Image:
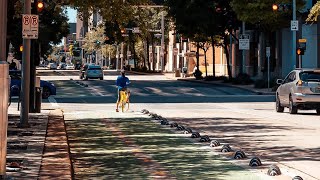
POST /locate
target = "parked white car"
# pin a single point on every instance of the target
(299, 90)
(70, 67)
(52, 66)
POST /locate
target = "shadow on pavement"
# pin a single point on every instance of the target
(140, 149)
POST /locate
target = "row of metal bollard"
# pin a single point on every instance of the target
(273, 169)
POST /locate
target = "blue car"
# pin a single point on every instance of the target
(48, 88)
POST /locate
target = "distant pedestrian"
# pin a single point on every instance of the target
(13, 66)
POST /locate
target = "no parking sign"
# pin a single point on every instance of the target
(30, 26)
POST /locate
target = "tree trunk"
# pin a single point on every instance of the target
(225, 47)
(148, 58)
(153, 53)
(135, 62)
(213, 58)
(205, 62)
(145, 55)
(197, 56)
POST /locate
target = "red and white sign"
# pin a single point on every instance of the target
(30, 26)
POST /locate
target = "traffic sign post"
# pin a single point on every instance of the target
(136, 30)
(244, 42)
(268, 53)
(30, 26)
(294, 25)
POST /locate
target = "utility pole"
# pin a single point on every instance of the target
(162, 42)
(294, 33)
(117, 61)
(33, 57)
(243, 51)
(25, 91)
(121, 55)
(4, 85)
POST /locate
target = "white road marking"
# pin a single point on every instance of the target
(53, 102)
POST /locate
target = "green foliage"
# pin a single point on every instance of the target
(260, 13)
(92, 38)
(53, 25)
(314, 12)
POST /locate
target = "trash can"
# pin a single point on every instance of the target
(177, 73)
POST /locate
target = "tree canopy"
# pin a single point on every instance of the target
(53, 25)
(261, 15)
(314, 12)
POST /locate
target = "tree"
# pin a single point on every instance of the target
(94, 39)
(53, 25)
(314, 12)
(191, 26)
(207, 19)
(260, 13)
(205, 47)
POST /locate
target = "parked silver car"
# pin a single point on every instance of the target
(299, 90)
(93, 72)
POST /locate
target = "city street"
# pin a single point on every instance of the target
(218, 89)
(234, 116)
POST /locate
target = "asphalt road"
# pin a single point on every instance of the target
(146, 89)
(241, 118)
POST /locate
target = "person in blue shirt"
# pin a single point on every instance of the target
(122, 83)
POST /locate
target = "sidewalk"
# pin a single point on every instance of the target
(39, 151)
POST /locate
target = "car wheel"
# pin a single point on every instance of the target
(45, 92)
(101, 78)
(318, 111)
(81, 77)
(279, 108)
(86, 78)
(292, 108)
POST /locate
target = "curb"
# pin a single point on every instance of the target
(229, 85)
(143, 73)
(58, 164)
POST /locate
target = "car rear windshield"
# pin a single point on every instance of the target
(94, 68)
(310, 76)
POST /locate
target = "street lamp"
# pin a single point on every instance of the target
(275, 7)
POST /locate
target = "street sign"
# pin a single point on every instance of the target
(244, 41)
(268, 51)
(294, 25)
(136, 30)
(30, 26)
